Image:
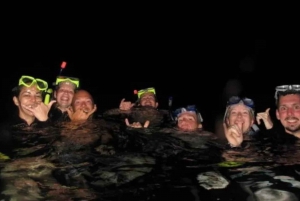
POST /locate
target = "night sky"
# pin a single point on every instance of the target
(180, 60)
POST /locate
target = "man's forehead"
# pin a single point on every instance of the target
(239, 106)
(148, 94)
(82, 98)
(82, 94)
(67, 84)
(32, 88)
(187, 114)
(290, 97)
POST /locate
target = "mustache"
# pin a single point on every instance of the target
(291, 118)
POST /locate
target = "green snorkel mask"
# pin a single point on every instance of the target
(28, 81)
(73, 80)
(143, 91)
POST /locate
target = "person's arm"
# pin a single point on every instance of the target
(266, 118)
(44, 124)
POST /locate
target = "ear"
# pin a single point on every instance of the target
(156, 104)
(200, 125)
(252, 121)
(227, 121)
(16, 101)
(54, 94)
(277, 115)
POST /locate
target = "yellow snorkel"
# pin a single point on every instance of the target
(48, 96)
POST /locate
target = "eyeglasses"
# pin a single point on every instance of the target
(283, 88)
(189, 108)
(148, 90)
(28, 81)
(236, 100)
(73, 80)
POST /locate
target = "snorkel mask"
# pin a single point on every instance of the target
(286, 88)
(189, 108)
(28, 81)
(143, 91)
(73, 80)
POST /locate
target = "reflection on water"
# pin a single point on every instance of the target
(104, 161)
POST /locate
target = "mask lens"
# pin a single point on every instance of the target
(296, 87)
(234, 100)
(42, 85)
(142, 91)
(26, 81)
(191, 108)
(72, 80)
(284, 88)
(248, 102)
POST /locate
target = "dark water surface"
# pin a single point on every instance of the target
(104, 161)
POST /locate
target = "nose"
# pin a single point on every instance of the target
(33, 98)
(239, 114)
(83, 104)
(290, 111)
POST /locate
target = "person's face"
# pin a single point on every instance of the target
(240, 115)
(64, 95)
(288, 112)
(30, 97)
(148, 99)
(187, 121)
(82, 100)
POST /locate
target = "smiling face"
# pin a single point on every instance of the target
(240, 114)
(28, 97)
(148, 99)
(187, 121)
(64, 95)
(82, 100)
(288, 112)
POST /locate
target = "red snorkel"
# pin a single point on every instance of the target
(50, 91)
(62, 66)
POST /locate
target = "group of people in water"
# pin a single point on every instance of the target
(74, 107)
(72, 104)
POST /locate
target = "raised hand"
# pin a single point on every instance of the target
(265, 117)
(234, 134)
(81, 114)
(125, 105)
(137, 124)
(40, 110)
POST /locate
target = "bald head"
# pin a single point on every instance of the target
(82, 100)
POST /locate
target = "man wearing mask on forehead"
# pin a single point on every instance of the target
(28, 97)
(141, 114)
(146, 97)
(238, 120)
(32, 112)
(288, 108)
(65, 88)
(287, 100)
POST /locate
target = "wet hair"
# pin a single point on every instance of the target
(284, 93)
